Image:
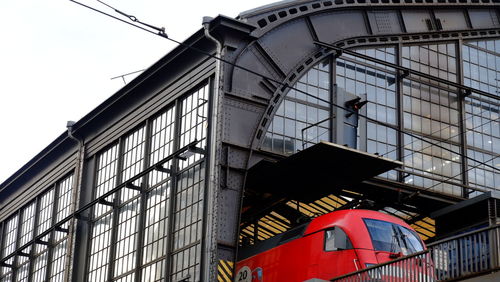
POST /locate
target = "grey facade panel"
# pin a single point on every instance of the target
(417, 20)
(247, 84)
(334, 25)
(451, 19)
(235, 158)
(239, 121)
(384, 21)
(227, 223)
(285, 42)
(484, 18)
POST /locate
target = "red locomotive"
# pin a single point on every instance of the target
(328, 246)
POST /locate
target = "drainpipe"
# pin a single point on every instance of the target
(211, 196)
(77, 180)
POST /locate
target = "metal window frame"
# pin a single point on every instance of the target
(18, 250)
(174, 172)
(462, 93)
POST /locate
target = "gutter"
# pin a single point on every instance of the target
(209, 243)
(77, 180)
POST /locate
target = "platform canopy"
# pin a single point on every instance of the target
(316, 171)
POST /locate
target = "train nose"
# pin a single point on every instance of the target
(387, 256)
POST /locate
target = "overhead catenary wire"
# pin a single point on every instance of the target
(160, 32)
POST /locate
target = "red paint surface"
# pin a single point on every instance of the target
(305, 258)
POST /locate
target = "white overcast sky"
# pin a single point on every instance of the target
(57, 58)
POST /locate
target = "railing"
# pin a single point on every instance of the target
(417, 267)
(466, 255)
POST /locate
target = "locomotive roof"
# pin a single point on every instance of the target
(346, 218)
(349, 220)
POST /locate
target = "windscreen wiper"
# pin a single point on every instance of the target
(408, 243)
(395, 243)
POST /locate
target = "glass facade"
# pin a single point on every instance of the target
(440, 134)
(156, 233)
(431, 113)
(151, 228)
(481, 67)
(377, 83)
(292, 127)
(44, 261)
(148, 230)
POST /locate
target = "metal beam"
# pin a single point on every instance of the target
(51, 237)
(174, 168)
(142, 201)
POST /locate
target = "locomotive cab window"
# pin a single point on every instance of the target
(336, 240)
(391, 237)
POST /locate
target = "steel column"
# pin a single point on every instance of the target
(50, 247)
(143, 204)
(462, 127)
(35, 231)
(400, 110)
(116, 212)
(174, 168)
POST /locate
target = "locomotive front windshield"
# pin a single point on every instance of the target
(391, 237)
